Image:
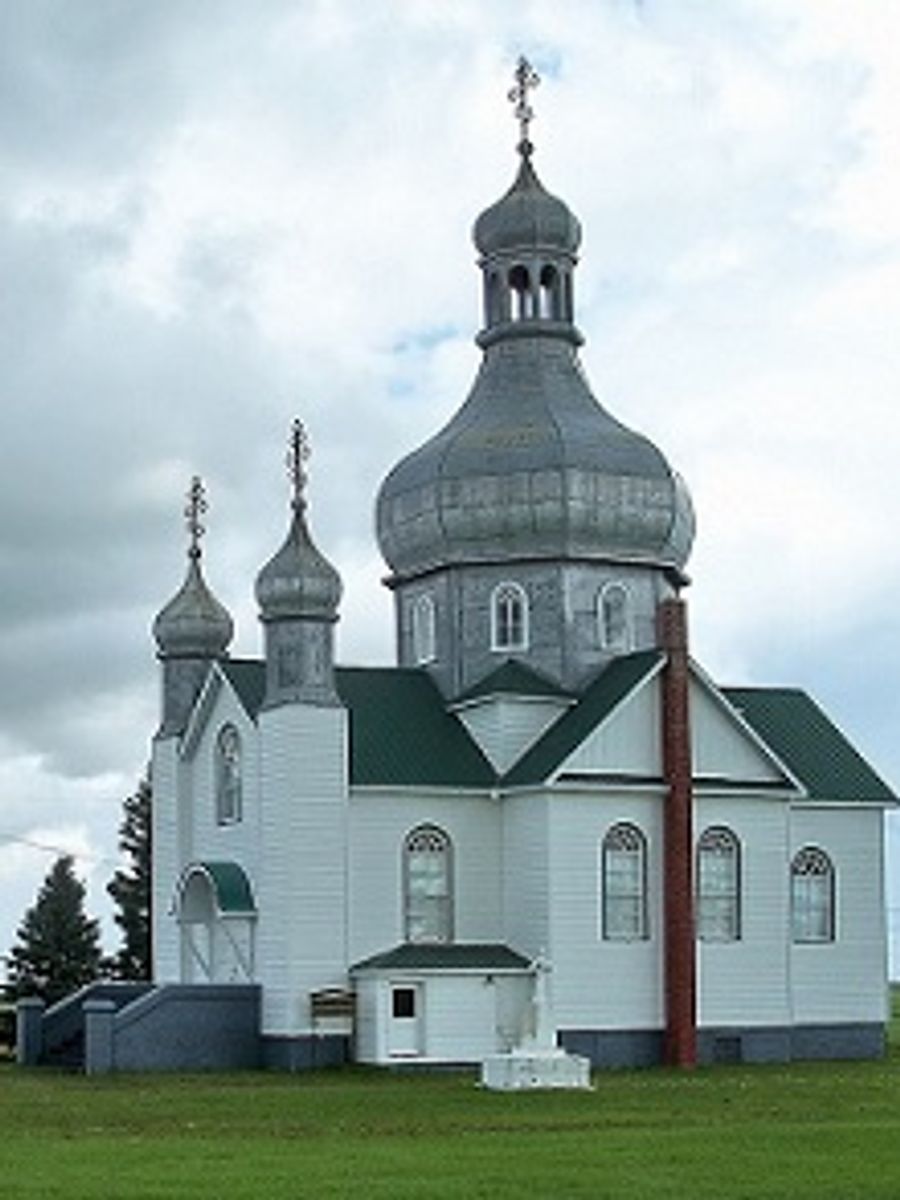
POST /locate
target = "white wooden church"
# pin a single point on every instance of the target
(546, 771)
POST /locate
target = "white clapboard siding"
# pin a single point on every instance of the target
(302, 926)
(525, 873)
(166, 860)
(745, 982)
(844, 980)
(598, 983)
(628, 741)
(505, 726)
(722, 747)
(379, 824)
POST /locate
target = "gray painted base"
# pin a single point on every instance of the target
(609, 1049)
(305, 1053)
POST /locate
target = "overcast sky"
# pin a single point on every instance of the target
(215, 215)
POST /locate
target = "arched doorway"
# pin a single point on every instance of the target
(217, 916)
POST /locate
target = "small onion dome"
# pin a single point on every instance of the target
(193, 624)
(527, 217)
(298, 581)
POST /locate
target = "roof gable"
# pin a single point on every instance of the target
(512, 678)
(603, 696)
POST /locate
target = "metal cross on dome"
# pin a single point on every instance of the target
(195, 508)
(297, 455)
(527, 80)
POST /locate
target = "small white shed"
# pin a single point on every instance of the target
(441, 1003)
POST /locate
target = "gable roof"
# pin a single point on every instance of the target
(810, 744)
(608, 689)
(402, 735)
(442, 956)
(512, 678)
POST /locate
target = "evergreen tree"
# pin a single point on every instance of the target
(58, 946)
(130, 887)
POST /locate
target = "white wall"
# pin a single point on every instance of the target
(524, 870)
(844, 980)
(597, 983)
(379, 823)
(745, 982)
(302, 934)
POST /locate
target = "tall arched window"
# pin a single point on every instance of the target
(812, 896)
(614, 617)
(229, 800)
(428, 885)
(624, 884)
(509, 617)
(423, 631)
(718, 886)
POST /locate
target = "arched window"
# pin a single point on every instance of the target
(549, 293)
(423, 638)
(428, 886)
(520, 286)
(718, 886)
(228, 776)
(812, 896)
(614, 617)
(624, 884)
(509, 617)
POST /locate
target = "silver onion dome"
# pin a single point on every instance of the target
(193, 624)
(298, 581)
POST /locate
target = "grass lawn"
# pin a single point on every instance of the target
(824, 1131)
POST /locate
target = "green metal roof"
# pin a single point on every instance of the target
(608, 689)
(810, 744)
(444, 956)
(231, 886)
(248, 678)
(512, 678)
(401, 733)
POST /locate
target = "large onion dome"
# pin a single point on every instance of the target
(532, 466)
(193, 624)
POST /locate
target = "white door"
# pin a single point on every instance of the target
(404, 1020)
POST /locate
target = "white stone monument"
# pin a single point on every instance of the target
(537, 1062)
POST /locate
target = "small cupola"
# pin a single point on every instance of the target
(298, 592)
(528, 244)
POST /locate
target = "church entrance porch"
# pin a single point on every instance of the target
(217, 921)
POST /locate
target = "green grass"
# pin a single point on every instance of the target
(824, 1131)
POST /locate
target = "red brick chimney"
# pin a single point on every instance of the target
(680, 1049)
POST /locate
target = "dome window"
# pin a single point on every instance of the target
(423, 629)
(509, 617)
(522, 298)
(614, 618)
(549, 294)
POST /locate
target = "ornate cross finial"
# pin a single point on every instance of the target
(527, 80)
(298, 453)
(195, 509)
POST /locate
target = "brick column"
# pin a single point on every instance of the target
(678, 897)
